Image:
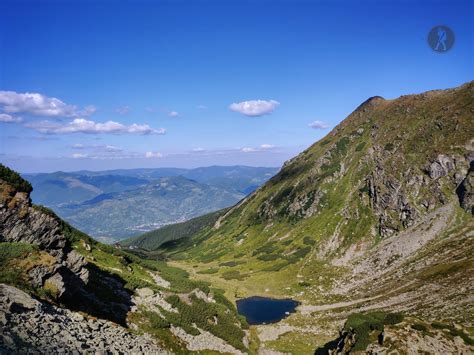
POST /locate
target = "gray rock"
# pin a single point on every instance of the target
(465, 192)
(11, 298)
(440, 167)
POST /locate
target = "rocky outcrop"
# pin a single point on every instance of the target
(68, 277)
(465, 191)
(442, 166)
(27, 324)
(20, 222)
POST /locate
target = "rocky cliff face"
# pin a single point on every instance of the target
(64, 272)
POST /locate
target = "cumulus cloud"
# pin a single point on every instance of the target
(267, 146)
(254, 108)
(173, 114)
(39, 105)
(199, 149)
(123, 110)
(150, 155)
(81, 125)
(6, 118)
(318, 125)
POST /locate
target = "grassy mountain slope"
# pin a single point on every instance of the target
(376, 215)
(168, 234)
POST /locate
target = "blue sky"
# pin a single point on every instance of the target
(153, 83)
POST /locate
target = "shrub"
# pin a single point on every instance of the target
(360, 146)
(308, 240)
(420, 327)
(266, 248)
(389, 147)
(232, 263)
(297, 255)
(14, 179)
(393, 318)
(363, 324)
(233, 275)
(438, 325)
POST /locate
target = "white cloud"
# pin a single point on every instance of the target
(39, 105)
(201, 107)
(79, 155)
(173, 114)
(318, 125)
(123, 110)
(78, 146)
(199, 149)
(248, 149)
(254, 108)
(6, 118)
(267, 146)
(81, 125)
(150, 155)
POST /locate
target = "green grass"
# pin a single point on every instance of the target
(213, 270)
(233, 275)
(9, 251)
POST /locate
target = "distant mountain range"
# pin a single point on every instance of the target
(114, 204)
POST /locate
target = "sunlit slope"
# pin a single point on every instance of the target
(377, 173)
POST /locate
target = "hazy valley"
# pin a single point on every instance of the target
(139, 200)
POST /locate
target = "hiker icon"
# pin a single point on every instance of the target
(441, 39)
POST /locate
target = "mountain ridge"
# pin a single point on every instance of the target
(377, 215)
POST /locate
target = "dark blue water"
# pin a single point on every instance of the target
(260, 310)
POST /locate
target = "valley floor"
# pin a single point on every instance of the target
(430, 279)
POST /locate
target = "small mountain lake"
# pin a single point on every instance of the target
(262, 310)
